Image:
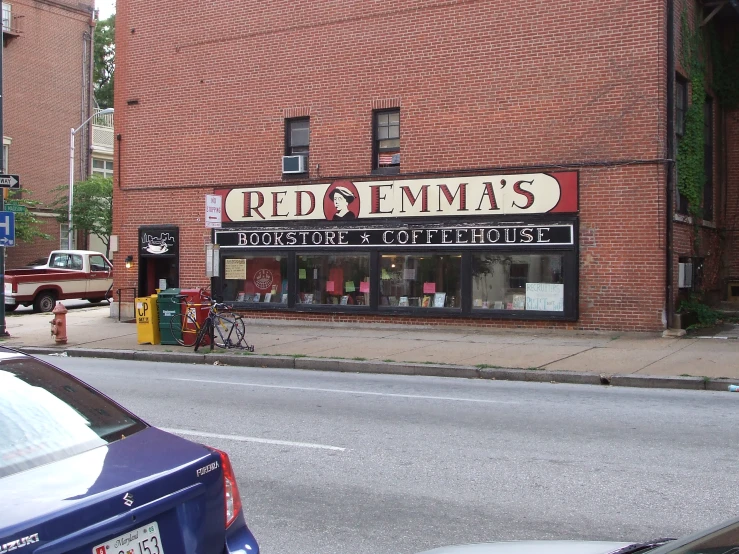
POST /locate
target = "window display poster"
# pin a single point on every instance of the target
(545, 297)
(235, 269)
(409, 274)
(330, 286)
(302, 274)
(385, 274)
(403, 301)
(439, 299)
(429, 288)
(519, 302)
(349, 286)
(364, 287)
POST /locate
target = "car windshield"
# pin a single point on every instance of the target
(721, 540)
(47, 415)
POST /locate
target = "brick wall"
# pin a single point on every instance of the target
(732, 195)
(44, 88)
(200, 103)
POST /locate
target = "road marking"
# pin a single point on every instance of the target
(239, 438)
(343, 391)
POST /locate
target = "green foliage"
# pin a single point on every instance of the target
(104, 56)
(26, 224)
(690, 154)
(92, 207)
(707, 316)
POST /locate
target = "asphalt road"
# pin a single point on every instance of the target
(360, 464)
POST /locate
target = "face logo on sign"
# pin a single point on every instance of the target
(263, 279)
(341, 201)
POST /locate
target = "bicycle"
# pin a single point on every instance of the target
(221, 327)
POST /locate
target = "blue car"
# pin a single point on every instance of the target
(81, 475)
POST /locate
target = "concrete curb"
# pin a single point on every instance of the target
(393, 368)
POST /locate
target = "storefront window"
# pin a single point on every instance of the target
(517, 282)
(328, 279)
(254, 279)
(423, 281)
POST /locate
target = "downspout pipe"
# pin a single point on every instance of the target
(671, 157)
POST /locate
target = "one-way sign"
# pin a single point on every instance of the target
(10, 182)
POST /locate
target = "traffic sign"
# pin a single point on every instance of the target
(213, 210)
(13, 207)
(10, 182)
(7, 229)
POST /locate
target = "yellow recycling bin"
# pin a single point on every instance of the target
(147, 320)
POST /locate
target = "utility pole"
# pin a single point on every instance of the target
(3, 330)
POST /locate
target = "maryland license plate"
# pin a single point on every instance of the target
(144, 540)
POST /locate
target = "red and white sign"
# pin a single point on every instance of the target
(464, 196)
(213, 211)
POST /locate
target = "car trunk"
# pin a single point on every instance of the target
(109, 500)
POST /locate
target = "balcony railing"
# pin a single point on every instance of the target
(102, 132)
(11, 23)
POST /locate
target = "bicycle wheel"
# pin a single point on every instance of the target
(203, 337)
(184, 329)
(229, 331)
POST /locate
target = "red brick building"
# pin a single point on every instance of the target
(426, 162)
(47, 85)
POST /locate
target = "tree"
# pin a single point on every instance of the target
(104, 61)
(92, 208)
(26, 224)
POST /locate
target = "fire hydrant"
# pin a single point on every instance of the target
(59, 323)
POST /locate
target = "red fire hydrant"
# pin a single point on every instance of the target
(59, 323)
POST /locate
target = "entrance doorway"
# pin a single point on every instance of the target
(159, 259)
(157, 273)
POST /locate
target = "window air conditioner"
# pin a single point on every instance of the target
(294, 164)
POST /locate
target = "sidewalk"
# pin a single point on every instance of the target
(710, 361)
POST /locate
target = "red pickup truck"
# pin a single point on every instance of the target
(68, 274)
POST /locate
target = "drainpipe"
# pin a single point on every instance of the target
(671, 157)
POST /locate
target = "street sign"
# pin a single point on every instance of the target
(7, 229)
(13, 207)
(10, 182)
(213, 204)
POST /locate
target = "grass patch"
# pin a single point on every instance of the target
(389, 361)
(488, 366)
(299, 355)
(359, 359)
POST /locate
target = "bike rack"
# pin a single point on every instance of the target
(118, 292)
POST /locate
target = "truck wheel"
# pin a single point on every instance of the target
(44, 302)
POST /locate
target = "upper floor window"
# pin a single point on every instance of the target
(387, 141)
(297, 136)
(101, 167)
(708, 159)
(681, 105)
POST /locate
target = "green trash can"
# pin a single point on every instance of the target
(168, 306)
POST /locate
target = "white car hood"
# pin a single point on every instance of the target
(533, 547)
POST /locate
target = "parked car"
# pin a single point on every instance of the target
(67, 274)
(80, 474)
(720, 539)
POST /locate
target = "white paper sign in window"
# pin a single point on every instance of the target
(545, 297)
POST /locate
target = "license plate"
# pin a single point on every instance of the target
(144, 540)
